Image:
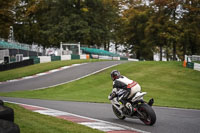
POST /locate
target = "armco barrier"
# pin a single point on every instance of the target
(16, 64)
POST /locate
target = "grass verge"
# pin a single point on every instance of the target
(30, 122)
(196, 62)
(38, 68)
(167, 82)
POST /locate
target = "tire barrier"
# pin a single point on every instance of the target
(4, 67)
(7, 124)
(8, 127)
(1, 102)
(6, 113)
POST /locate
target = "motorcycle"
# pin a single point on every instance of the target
(135, 107)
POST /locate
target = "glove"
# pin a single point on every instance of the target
(112, 95)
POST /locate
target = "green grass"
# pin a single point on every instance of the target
(196, 62)
(38, 68)
(30, 122)
(167, 82)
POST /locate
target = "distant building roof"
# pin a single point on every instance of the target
(97, 51)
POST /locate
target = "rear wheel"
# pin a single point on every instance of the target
(148, 114)
(117, 113)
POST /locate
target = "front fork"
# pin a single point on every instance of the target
(116, 104)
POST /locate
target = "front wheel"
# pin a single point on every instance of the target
(148, 114)
(117, 113)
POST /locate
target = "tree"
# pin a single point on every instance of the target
(7, 16)
(26, 26)
(162, 30)
(88, 22)
(173, 7)
(190, 27)
(135, 34)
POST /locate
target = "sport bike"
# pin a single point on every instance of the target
(135, 107)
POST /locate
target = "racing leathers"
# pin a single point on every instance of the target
(123, 83)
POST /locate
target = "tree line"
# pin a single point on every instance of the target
(141, 26)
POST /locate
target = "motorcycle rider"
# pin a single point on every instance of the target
(122, 82)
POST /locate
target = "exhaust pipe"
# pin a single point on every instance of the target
(151, 101)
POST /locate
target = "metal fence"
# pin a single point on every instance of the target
(194, 57)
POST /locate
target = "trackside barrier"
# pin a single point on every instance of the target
(73, 56)
(190, 65)
(26, 58)
(66, 57)
(116, 58)
(197, 66)
(132, 59)
(93, 56)
(123, 58)
(44, 59)
(13, 65)
(105, 57)
(86, 56)
(36, 60)
(187, 62)
(55, 58)
(12, 59)
(83, 56)
(7, 124)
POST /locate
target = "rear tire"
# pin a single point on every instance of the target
(117, 113)
(148, 113)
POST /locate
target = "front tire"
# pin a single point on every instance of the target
(149, 116)
(117, 113)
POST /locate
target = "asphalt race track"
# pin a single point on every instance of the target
(57, 77)
(169, 120)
